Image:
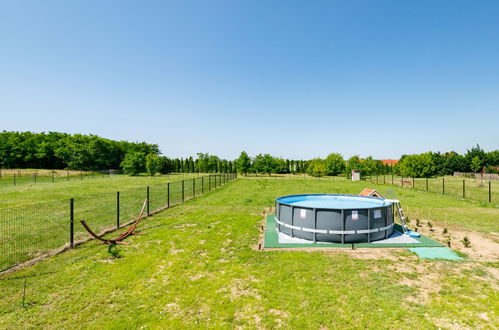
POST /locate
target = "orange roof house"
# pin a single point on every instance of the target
(389, 162)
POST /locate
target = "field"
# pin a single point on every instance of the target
(198, 266)
(35, 219)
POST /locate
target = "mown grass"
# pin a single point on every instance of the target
(196, 267)
(47, 191)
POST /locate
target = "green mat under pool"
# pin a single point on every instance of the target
(435, 253)
(271, 240)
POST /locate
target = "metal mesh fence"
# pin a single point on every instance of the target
(469, 188)
(28, 177)
(34, 230)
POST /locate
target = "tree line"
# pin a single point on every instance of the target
(55, 150)
(419, 165)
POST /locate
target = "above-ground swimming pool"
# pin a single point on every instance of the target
(334, 218)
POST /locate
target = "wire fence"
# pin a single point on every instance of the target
(31, 231)
(15, 177)
(467, 188)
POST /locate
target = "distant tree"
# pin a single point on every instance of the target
(134, 163)
(475, 151)
(476, 164)
(453, 162)
(417, 166)
(264, 164)
(152, 164)
(166, 165)
(354, 163)
(335, 164)
(317, 167)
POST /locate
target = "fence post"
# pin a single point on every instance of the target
(52, 177)
(490, 194)
(443, 186)
(464, 190)
(413, 183)
(209, 182)
(376, 178)
(117, 209)
(426, 184)
(392, 176)
(71, 223)
(68, 175)
(402, 181)
(14, 179)
(147, 196)
(182, 191)
(34, 177)
(168, 194)
(193, 187)
(202, 184)
(384, 178)
(81, 175)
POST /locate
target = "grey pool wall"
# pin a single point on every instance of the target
(330, 224)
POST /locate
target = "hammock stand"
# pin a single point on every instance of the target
(122, 236)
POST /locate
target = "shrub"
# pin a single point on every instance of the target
(114, 251)
(466, 242)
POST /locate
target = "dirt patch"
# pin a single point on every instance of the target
(483, 248)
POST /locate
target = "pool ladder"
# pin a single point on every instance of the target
(400, 212)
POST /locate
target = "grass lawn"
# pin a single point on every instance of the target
(11, 195)
(197, 266)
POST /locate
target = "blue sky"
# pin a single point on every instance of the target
(297, 79)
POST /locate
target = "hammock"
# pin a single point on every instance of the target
(118, 239)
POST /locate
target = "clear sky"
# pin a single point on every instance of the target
(296, 79)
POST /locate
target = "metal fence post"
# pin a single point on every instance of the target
(81, 175)
(68, 175)
(14, 179)
(34, 177)
(182, 191)
(464, 190)
(443, 186)
(426, 184)
(202, 184)
(117, 209)
(168, 194)
(413, 183)
(52, 177)
(71, 223)
(193, 187)
(147, 200)
(402, 181)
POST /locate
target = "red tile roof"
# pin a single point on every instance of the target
(389, 162)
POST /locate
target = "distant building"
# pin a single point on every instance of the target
(355, 175)
(389, 162)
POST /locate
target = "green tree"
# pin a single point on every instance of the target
(418, 166)
(134, 163)
(243, 163)
(152, 164)
(335, 164)
(476, 164)
(354, 163)
(264, 164)
(317, 167)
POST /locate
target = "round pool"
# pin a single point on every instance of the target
(334, 218)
